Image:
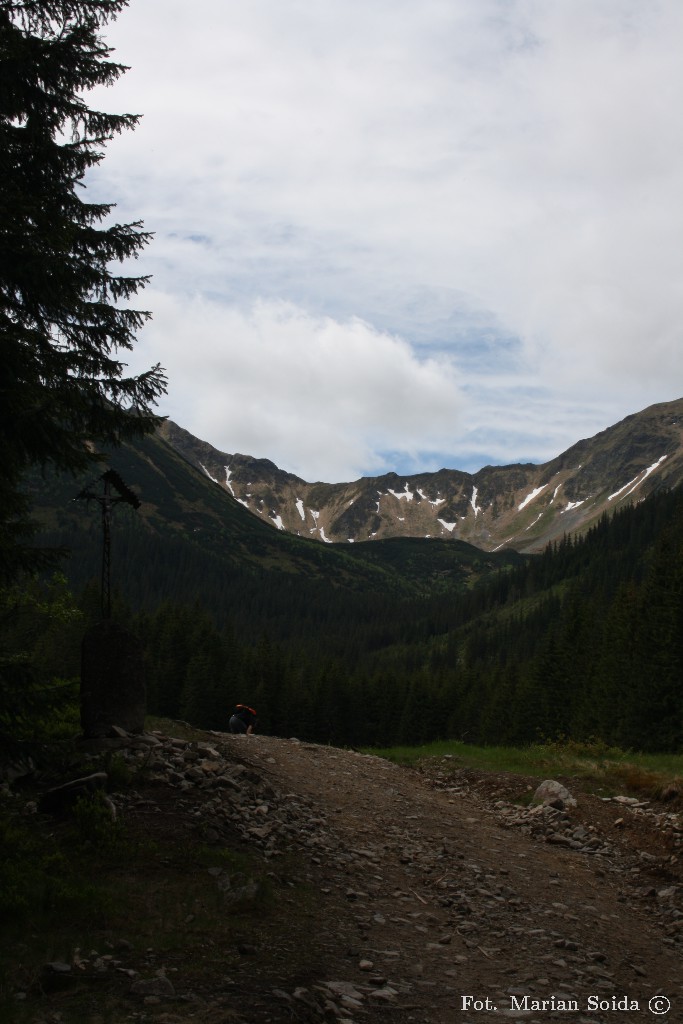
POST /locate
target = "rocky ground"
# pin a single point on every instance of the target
(429, 896)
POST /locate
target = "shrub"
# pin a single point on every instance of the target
(96, 821)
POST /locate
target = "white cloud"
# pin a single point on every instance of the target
(320, 397)
(498, 183)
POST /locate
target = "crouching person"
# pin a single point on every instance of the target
(242, 720)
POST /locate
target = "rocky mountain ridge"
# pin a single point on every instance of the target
(522, 506)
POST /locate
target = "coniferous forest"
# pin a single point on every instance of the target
(584, 640)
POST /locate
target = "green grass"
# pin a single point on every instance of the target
(593, 762)
(495, 759)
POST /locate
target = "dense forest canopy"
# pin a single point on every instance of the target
(585, 641)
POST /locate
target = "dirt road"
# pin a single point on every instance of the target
(434, 898)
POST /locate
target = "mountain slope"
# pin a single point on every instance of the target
(190, 540)
(518, 506)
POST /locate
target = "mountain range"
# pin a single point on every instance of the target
(503, 646)
(520, 507)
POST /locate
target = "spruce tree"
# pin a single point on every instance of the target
(65, 316)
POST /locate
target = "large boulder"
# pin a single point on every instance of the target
(554, 794)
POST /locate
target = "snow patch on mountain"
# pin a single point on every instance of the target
(435, 502)
(209, 475)
(637, 480)
(572, 504)
(530, 497)
(406, 493)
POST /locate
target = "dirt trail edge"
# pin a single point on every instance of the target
(431, 897)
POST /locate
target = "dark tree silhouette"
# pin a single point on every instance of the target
(64, 314)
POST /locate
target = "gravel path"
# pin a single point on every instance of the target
(458, 903)
(430, 896)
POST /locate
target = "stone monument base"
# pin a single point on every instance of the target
(112, 681)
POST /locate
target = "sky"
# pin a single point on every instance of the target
(392, 235)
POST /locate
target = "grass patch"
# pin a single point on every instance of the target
(657, 776)
(521, 760)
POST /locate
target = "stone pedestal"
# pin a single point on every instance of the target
(112, 681)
